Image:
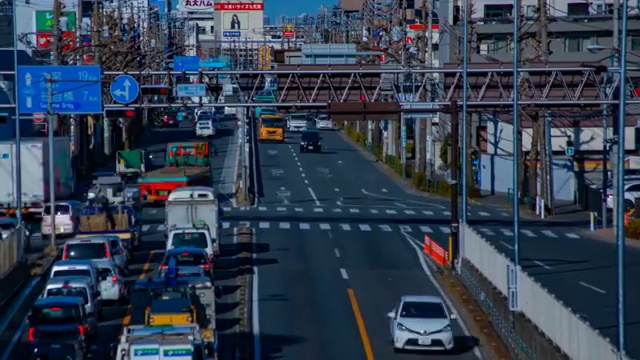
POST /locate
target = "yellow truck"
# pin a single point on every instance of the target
(170, 312)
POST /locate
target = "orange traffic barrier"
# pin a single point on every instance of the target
(436, 252)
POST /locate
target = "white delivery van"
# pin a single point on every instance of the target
(67, 215)
(194, 205)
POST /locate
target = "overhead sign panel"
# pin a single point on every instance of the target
(195, 5)
(76, 89)
(186, 63)
(67, 22)
(191, 90)
(124, 89)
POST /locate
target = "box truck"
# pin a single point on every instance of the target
(34, 162)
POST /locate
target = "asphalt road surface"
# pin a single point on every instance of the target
(146, 261)
(337, 245)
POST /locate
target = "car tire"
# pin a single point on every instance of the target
(397, 350)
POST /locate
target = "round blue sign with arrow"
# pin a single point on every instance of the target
(124, 89)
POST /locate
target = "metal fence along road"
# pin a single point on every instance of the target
(11, 252)
(574, 336)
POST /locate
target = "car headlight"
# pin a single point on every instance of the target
(401, 327)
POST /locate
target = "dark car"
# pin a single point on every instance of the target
(310, 141)
(189, 261)
(58, 316)
(170, 119)
(65, 349)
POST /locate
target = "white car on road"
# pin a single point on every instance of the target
(112, 287)
(421, 323)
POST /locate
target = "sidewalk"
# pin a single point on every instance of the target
(609, 236)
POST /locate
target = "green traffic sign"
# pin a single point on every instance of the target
(569, 151)
(44, 21)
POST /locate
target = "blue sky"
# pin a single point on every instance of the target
(275, 8)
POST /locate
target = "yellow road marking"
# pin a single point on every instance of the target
(145, 269)
(363, 331)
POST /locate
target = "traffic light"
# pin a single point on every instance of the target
(568, 148)
(118, 113)
(155, 90)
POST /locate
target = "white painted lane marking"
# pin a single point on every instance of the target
(262, 208)
(344, 274)
(145, 227)
(303, 175)
(225, 225)
(345, 227)
(373, 211)
(592, 287)
(487, 231)
(298, 163)
(406, 228)
(448, 213)
(161, 227)
(409, 212)
(384, 190)
(542, 264)
(336, 189)
(313, 195)
(573, 236)
(285, 225)
(385, 228)
(305, 226)
(337, 210)
(306, 181)
(299, 209)
(507, 232)
(507, 245)
(445, 229)
(504, 214)
(354, 210)
(300, 169)
(337, 252)
(426, 229)
(281, 209)
(426, 212)
(529, 233)
(318, 210)
(325, 226)
(483, 213)
(391, 212)
(364, 227)
(264, 225)
(549, 233)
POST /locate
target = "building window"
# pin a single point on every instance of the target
(634, 43)
(577, 43)
(202, 30)
(212, 29)
(500, 45)
(498, 11)
(578, 9)
(529, 11)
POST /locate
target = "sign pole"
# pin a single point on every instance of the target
(16, 114)
(52, 188)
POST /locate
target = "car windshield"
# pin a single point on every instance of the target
(187, 259)
(310, 136)
(190, 239)
(273, 123)
(60, 209)
(71, 272)
(69, 291)
(86, 251)
(423, 310)
(323, 117)
(7, 226)
(55, 315)
(298, 117)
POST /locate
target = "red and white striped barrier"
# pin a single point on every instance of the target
(436, 252)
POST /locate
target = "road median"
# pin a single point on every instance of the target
(245, 265)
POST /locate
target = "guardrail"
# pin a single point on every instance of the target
(11, 252)
(568, 331)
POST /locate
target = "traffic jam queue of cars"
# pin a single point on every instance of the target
(173, 313)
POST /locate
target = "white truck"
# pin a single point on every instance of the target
(34, 161)
(179, 342)
(297, 121)
(195, 208)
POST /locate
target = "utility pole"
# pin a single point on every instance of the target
(429, 63)
(455, 162)
(544, 123)
(57, 12)
(615, 145)
(52, 187)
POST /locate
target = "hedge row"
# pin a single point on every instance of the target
(419, 180)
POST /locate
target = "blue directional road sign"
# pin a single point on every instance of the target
(76, 89)
(191, 90)
(124, 89)
(186, 63)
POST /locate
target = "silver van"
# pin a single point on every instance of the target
(80, 286)
(76, 268)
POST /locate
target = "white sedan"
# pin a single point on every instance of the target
(112, 287)
(421, 323)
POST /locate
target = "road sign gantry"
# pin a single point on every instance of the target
(74, 89)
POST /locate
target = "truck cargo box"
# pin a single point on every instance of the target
(34, 163)
(174, 174)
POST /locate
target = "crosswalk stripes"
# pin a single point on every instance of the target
(373, 211)
(369, 227)
(484, 213)
(409, 212)
(299, 209)
(354, 210)
(426, 212)
(391, 212)
(283, 208)
(447, 213)
(337, 210)
(318, 210)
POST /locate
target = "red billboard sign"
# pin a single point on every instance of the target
(239, 6)
(44, 40)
